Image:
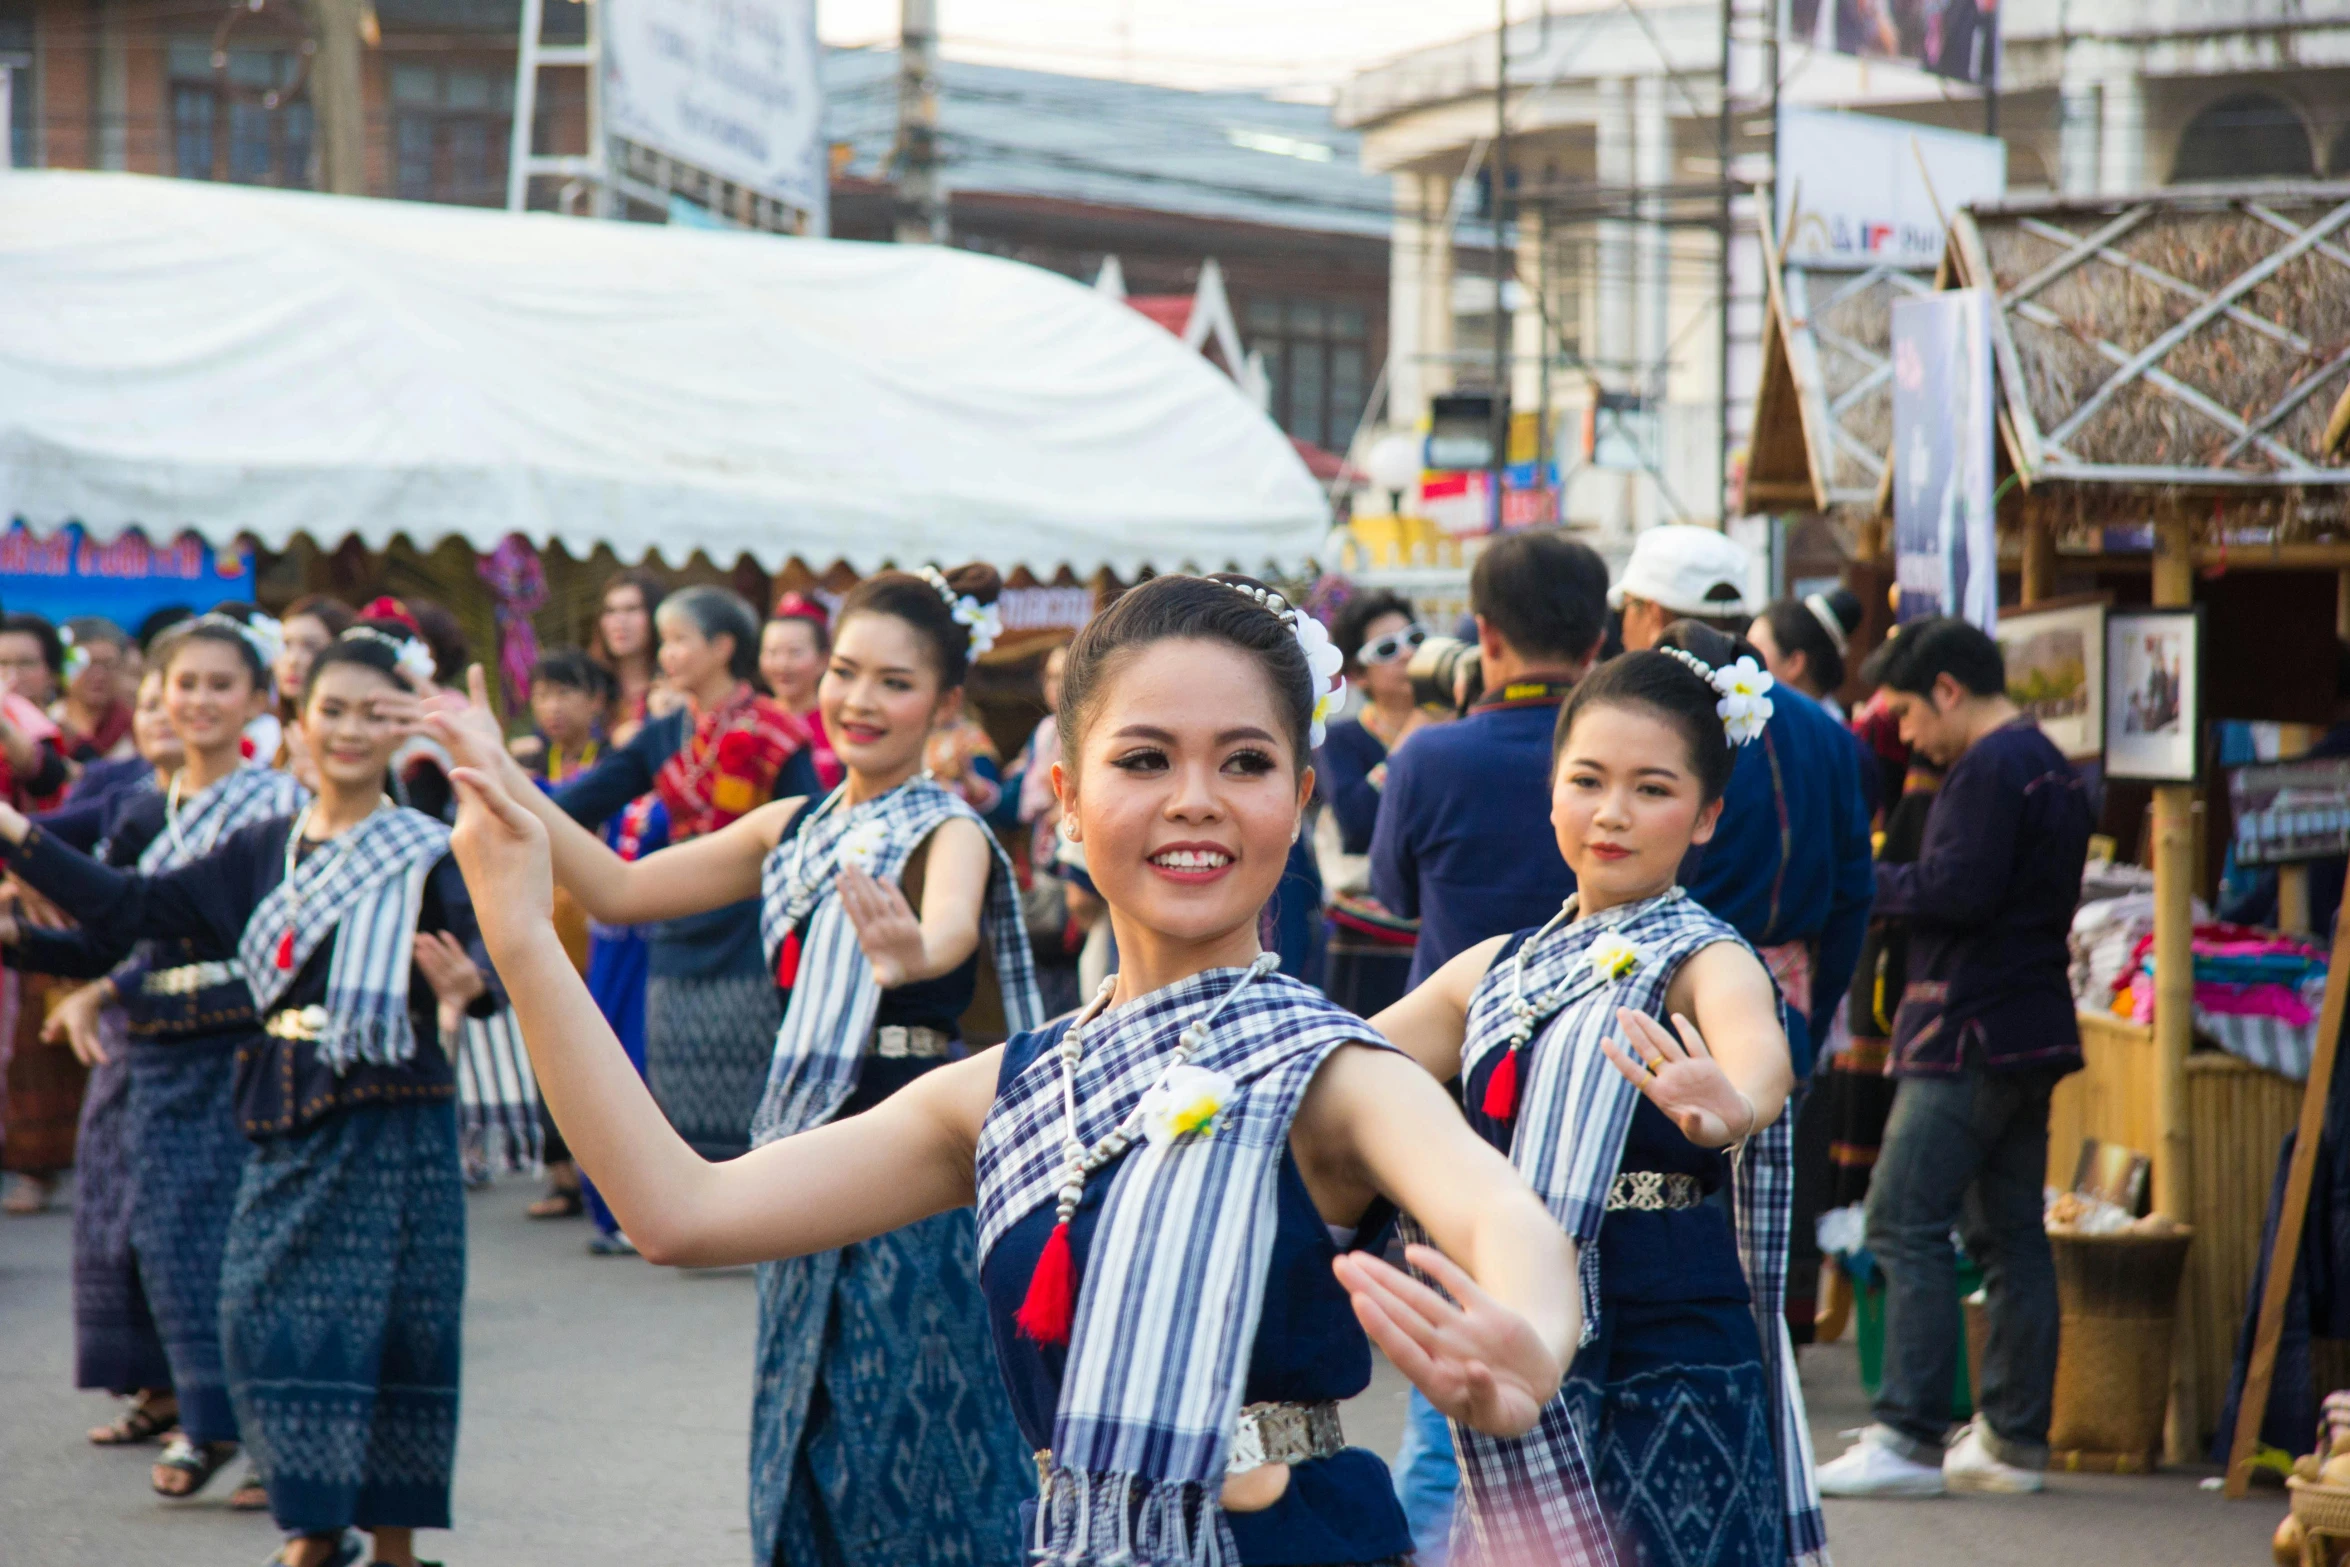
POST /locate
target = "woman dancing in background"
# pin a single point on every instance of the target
(1144, 1280)
(343, 1282)
(878, 1434)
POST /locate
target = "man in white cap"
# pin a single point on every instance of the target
(1682, 572)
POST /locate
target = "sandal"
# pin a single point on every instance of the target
(198, 1461)
(250, 1496)
(137, 1425)
(348, 1551)
(29, 1195)
(558, 1204)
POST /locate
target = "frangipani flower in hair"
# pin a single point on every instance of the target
(1745, 706)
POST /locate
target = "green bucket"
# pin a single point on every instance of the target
(1868, 1315)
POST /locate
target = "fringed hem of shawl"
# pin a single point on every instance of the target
(1123, 1518)
(376, 1041)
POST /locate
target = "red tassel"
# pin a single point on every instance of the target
(1501, 1089)
(787, 961)
(1051, 1304)
(285, 950)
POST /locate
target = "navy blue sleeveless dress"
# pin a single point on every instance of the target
(1339, 1511)
(879, 1436)
(1671, 1394)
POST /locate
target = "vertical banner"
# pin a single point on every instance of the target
(1945, 542)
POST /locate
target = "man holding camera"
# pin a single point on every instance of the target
(1464, 842)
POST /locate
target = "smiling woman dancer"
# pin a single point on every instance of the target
(879, 1432)
(187, 1018)
(343, 1282)
(1685, 1382)
(1171, 1186)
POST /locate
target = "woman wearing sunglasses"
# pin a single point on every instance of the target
(1378, 634)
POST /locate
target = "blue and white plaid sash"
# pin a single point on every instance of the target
(1574, 1112)
(820, 1049)
(248, 795)
(364, 889)
(1174, 1281)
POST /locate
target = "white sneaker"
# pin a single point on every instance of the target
(1970, 1466)
(1870, 1468)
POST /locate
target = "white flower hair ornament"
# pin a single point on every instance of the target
(1743, 687)
(415, 661)
(982, 622)
(861, 845)
(77, 657)
(266, 637)
(1323, 661)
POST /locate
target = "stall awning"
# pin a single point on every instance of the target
(185, 355)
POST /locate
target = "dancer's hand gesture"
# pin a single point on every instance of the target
(466, 726)
(1478, 1362)
(1681, 1078)
(886, 927)
(75, 1020)
(502, 849)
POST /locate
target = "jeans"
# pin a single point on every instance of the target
(1426, 1476)
(1968, 1152)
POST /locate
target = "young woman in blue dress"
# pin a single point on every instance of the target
(1630, 1058)
(1178, 1189)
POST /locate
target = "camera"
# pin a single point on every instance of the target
(1447, 674)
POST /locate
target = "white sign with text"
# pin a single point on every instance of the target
(728, 86)
(1858, 191)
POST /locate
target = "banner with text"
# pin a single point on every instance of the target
(63, 574)
(1858, 191)
(1945, 543)
(728, 86)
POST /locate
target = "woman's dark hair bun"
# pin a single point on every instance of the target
(1217, 608)
(976, 580)
(1661, 684)
(912, 597)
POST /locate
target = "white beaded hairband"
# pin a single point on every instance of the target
(1825, 613)
(265, 636)
(1743, 708)
(981, 620)
(413, 657)
(1323, 661)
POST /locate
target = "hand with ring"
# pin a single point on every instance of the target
(1681, 1078)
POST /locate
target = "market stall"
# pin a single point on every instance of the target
(317, 373)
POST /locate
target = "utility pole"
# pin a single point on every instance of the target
(1501, 315)
(336, 104)
(921, 204)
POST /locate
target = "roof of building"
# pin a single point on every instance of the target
(1231, 155)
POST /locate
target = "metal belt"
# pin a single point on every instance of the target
(308, 1023)
(893, 1043)
(1654, 1191)
(187, 979)
(1268, 1433)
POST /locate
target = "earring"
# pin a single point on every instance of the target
(1067, 827)
(1297, 829)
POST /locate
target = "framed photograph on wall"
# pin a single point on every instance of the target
(2153, 695)
(2055, 654)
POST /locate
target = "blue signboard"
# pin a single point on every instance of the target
(1945, 541)
(66, 573)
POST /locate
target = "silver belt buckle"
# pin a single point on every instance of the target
(1654, 1191)
(307, 1023)
(896, 1042)
(1283, 1433)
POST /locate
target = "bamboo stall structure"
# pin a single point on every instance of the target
(2169, 368)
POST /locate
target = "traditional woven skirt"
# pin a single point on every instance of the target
(190, 1158)
(880, 1433)
(1678, 1417)
(116, 1343)
(341, 1299)
(711, 1014)
(44, 1102)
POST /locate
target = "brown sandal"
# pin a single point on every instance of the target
(197, 1462)
(250, 1496)
(137, 1425)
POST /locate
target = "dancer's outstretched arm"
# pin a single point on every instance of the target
(909, 1157)
(702, 873)
(1375, 1121)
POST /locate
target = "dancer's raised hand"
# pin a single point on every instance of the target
(466, 726)
(75, 1021)
(502, 850)
(887, 927)
(1681, 1078)
(1477, 1361)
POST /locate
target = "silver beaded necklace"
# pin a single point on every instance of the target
(1081, 1161)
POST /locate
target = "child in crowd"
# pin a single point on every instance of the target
(571, 698)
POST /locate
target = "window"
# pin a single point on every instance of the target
(2247, 136)
(1315, 354)
(451, 127)
(19, 135)
(222, 124)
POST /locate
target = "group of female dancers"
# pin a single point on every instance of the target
(1090, 1294)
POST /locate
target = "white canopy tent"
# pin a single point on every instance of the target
(183, 355)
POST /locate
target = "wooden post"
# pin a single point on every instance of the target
(2039, 555)
(2293, 880)
(2174, 984)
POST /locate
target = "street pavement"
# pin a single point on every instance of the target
(607, 1403)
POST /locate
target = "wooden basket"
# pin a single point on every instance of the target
(2119, 1296)
(2325, 1507)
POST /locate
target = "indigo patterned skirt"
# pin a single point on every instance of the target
(341, 1299)
(709, 1040)
(880, 1433)
(1678, 1418)
(116, 1344)
(190, 1157)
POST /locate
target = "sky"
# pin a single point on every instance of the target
(1301, 48)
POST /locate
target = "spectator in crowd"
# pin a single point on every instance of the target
(1059, 912)
(1377, 633)
(1804, 642)
(794, 646)
(624, 642)
(1984, 1032)
(311, 622)
(1463, 841)
(95, 711)
(42, 1102)
(571, 698)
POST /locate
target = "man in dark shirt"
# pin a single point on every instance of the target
(1465, 846)
(1464, 843)
(1985, 1029)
